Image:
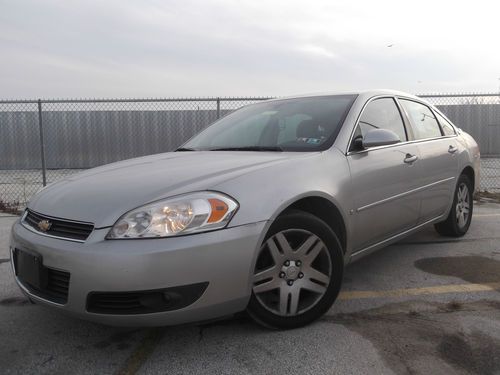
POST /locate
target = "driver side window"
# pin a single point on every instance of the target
(381, 114)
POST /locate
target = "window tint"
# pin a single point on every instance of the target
(422, 120)
(381, 114)
(445, 125)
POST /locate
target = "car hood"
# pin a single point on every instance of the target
(101, 195)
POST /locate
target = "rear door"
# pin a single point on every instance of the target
(438, 156)
(383, 178)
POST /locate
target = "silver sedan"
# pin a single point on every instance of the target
(260, 212)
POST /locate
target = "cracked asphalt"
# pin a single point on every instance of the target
(425, 305)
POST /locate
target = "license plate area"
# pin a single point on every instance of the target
(30, 270)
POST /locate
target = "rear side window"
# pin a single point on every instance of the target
(445, 125)
(381, 114)
(422, 120)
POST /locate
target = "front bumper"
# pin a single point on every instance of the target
(222, 258)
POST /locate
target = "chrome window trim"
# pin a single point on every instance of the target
(401, 143)
(395, 97)
(404, 194)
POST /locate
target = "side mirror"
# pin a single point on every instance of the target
(380, 137)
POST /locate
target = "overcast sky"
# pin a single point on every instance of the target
(165, 48)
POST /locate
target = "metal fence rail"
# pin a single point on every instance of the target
(44, 140)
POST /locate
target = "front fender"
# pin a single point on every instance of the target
(267, 192)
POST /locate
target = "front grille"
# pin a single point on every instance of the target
(58, 227)
(144, 302)
(56, 289)
(57, 284)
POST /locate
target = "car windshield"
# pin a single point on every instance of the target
(301, 124)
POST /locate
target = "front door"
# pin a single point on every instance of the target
(382, 187)
(385, 179)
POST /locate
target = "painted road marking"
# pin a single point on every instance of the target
(440, 289)
(484, 215)
(143, 351)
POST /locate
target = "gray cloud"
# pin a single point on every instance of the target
(186, 48)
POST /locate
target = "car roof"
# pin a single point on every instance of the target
(364, 94)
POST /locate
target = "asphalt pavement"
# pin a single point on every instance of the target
(427, 304)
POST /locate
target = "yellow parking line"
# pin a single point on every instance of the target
(484, 215)
(440, 289)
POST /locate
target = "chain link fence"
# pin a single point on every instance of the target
(45, 140)
(42, 141)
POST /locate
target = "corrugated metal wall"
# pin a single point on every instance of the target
(88, 138)
(85, 139)
(482, 121)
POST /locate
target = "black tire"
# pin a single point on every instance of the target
(451, 227)
(299, 220)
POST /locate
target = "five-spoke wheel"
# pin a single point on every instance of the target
(458, 221)
(298, 276)
(463, 204)
(298, 272)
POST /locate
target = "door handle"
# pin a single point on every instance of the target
(410, 158)
(452, 149)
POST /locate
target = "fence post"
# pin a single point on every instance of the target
(42, 144)
(218, 108)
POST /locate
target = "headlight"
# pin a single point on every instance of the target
(183, 214)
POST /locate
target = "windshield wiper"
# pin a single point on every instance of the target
(249, 148)
(185, 149)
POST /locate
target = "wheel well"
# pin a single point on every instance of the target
(326, 211)
(469, 172)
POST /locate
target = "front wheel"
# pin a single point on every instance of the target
(298, 272)
(458, 221)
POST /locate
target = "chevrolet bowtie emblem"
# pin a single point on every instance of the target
(44, 225)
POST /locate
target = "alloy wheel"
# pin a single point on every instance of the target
(463, 205)
(293, 272)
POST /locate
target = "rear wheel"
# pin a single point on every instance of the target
(298, 272)
(458, 221)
